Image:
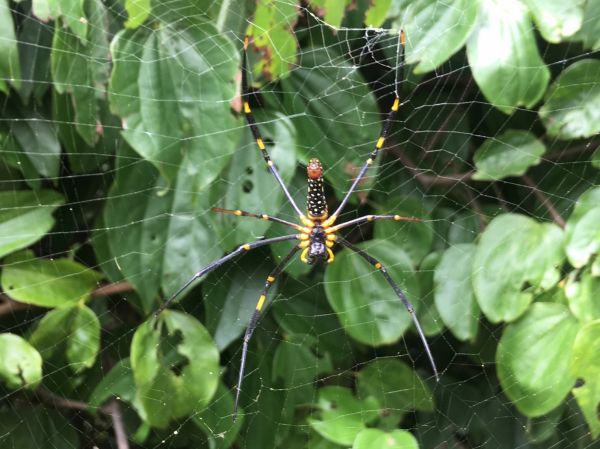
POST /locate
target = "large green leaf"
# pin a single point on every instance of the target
(557, 19)
(172, 88)
(272, 36)
(20, 363)
(158, 238)
(36, 135)
(25, 217)
(583, 290)
(436, 30)
(397, 388)
(335, 114)
(250, 186)
(586, 365)
(378, 439)
(342, 416)
(428, 314)
(45, 282)
(364, 302)
(81, 70)
(534, 357)
(504, 57)
(509, 154)
(71, 11)
(138, 11)
(118, 382)
(515, 258)
(175, 364)
(581, 246)
(35, 42)
(215, 421)
(414, 237)
(572, 104)
(377, 12)
(10, 68)
(589, 34)
(583, 237)
(454, 296)
(76, 326)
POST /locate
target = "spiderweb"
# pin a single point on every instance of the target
(122, 127)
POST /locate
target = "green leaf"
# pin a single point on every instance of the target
(364, 302)
(271, 30)
(378, 439)
(76, 326)
(36, 135)
(175, 364)
(118, 382)
(250, 186)
(35, 42)
(414, 237)
(20, 363)
(516, 257)
(25, 217)
(504, 57)
(428, 315)
(45, 282)
(572, 104)
(397, 388)
(557, 19)
(589, 33)
(454, 295)
(80, 70)
(509, 154)
(342, 416)
(582, 290)
(138, 11)
(335, 114)
(215, 421)
(583, 237)
(71, 11)
(377, 13)
(534, 356)
(172, 88)
(158, 238)
(578, 251)
(436, 30)
(586, 365)
(10, 67)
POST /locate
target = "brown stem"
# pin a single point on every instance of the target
(9, 305)
(50, 398)
(114, 410)
(542, 198)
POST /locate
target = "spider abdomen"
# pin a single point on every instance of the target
(316, 205)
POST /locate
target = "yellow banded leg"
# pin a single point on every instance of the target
(254, 320)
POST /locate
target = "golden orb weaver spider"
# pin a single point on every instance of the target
(317, 232)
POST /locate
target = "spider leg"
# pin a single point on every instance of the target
(256, 132)
(217, 263)
(400, 295)
(254, 321)
(387, 125)
(367, 218)
(243, 213)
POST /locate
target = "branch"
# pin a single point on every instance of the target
(114, 410)
(542, 198)
(8, 305)
(54, 400)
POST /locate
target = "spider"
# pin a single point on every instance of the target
(317, 233)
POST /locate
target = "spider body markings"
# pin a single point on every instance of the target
(317, 231)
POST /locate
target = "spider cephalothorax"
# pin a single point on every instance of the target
(316, 233)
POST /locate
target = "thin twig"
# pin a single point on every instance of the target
(500, 197)
(542, 198)
(50, 398)
(117, 419)
(112, 289)
(8, 305)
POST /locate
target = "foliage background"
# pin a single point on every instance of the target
(121, 129)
